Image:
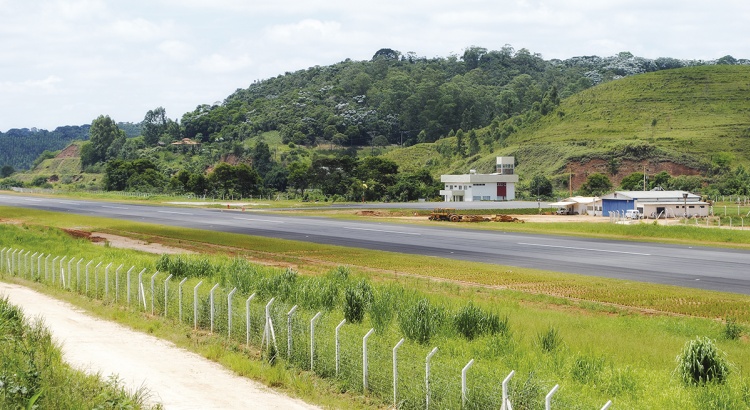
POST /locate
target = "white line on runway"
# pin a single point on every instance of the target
(584, 249)
(260, 220)
(173, 212)
(113, 207)
(32, 200)
(382, 230)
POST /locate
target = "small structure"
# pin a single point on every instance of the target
(655, 204)
(579, 205)
(499, 186)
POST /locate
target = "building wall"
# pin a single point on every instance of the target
(609, 205)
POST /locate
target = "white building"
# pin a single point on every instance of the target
(579, 205)
(500, 186)
(656, 204)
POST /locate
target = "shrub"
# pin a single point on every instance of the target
(281, 285)
(420, 321)
(357, 299)
(549, 340)
(701, 362)
(471, 321)
(381, 308)
(732, 330)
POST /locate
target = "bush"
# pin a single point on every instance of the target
(420, 321)
(701, 362)
(549, 340)
(357, 299)
(381, 309)
(732, 330)
(471, 322)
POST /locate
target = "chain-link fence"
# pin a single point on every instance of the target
(407, 374)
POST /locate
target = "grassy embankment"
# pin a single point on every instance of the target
(609, 351)
(34, 376)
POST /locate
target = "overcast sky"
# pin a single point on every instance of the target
(66, 62)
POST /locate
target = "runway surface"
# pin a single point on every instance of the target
(691, 266)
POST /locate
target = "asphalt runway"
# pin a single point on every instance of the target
(690, 266)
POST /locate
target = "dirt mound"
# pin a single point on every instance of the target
(71, 151)
(83, 234)
(581, 171)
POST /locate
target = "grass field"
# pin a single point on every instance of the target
(618, 339)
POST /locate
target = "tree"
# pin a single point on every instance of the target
(460, 143)
(596, 184)
(6, 171)
(154, 125)
(473, 142)
(380, 141)
(262, 159)
(103, 133)
(540, 186)
(632, 182)
(661, 180)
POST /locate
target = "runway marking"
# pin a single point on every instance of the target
(260, 220)
(32, 200)
(382, 230)
(113, 207)
(173, 212)
(584, 249)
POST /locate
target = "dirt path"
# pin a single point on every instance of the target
(175, 377)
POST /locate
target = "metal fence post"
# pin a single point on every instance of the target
(337, 345)
(212, 306)
(195, 305)
(607, 405)
(229, 313)
(364, 359)
(153, 291)
(268, 332)
(427, 377)
(548, 397)
(87, 276)
(312, 339)
(247, 319)
(395, 373)
(96, 280)
(31, 266)
(78, 275)
(464, 388)
(166, 293)
(70, 272)
(46, 267)
(505, 403)
(289, 332)
(53, 268)
(106, 281)
(62, 272)
(39, 267)
(179, 296)
(117, 280)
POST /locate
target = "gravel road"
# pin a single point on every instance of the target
(175, 377)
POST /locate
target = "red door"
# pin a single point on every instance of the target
(501, 190)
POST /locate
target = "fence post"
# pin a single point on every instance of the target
(141, 293)
(505, 404)
(62, 279)
(427, 377)
(179, 295)
(96, 280)
(395, 373)
(212, 305)
(39, 266)
(289, 332)
(53, 268)
(2, 258)
(247, 319)
(364, 359)
(106, 281)
(195, 305)
(87, 276)
(78, 275)
(337, 345)
(229, 313)
(70, 272)
(312, 339)
(117, 280)
(31, 265)
(268, 332)
(548, 397)
(464, 388)
(46, 267)
(607, 404)
(166, 293)
(153, 291)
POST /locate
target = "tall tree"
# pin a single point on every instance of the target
(154, 125)
(103, 134)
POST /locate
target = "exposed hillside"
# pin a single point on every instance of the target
(685, 121)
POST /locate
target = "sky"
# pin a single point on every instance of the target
(65, 62)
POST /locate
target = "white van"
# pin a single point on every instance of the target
(632, 214)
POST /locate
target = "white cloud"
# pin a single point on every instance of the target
(217, 63)
(140, 30)
(176, 50)
(46, 85)
(305, 31)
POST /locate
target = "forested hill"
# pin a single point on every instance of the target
(19, 148)
(409, 99)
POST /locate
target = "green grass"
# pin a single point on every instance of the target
(34, 376)
(601, 351)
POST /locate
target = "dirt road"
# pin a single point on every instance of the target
(175, 377)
